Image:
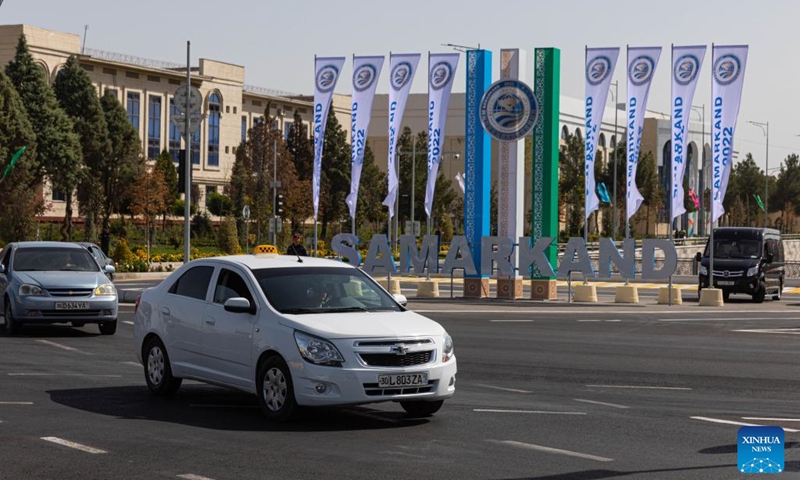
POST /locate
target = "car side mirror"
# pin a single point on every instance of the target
(109, 269)
(2, 269)
(401, 299)
(238, 305)
(698, 257)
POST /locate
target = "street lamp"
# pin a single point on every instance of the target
(275, 127)
(764, 126)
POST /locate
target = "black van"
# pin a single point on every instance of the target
(746, 260)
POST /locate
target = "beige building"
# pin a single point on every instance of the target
(146, 87)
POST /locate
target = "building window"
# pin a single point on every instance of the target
(287, 128)
(196, 147)
(59, 196)
(133, 109)
(214, 110)
(174, 134)
(244, 128)
(154, 126)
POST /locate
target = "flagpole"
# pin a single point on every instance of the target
(316, 239)
(628, 153)
(586, 194)
(672, 167)
(711, 236)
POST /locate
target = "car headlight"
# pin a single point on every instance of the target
(105, 289)
(703, 270)
(752, 271)
(28, 289)
(447, 354)
(317, 350)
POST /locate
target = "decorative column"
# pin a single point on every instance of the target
(477, 169)
(547, 77)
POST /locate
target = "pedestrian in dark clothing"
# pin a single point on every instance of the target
(297, 248)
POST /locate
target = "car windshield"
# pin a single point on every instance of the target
(310, 290)
(736, 248)
(54, 259)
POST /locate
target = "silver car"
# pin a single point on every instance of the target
(54, 282)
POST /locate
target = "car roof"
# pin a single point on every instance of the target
(259, 261)
(39, 244)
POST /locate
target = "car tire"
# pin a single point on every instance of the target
(12, 327)
(275, 390)
(108, 328)
(779, 294)
(157, 369)
(421, 408)
(761, 293)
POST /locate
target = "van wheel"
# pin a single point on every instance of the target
(275, 390)
(777, 296)
(761, 293)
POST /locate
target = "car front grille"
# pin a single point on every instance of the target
(394, 360)
(372, 389)
(67, 292)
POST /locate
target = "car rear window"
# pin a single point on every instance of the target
(193, 283)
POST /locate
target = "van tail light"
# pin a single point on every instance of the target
(136, 304)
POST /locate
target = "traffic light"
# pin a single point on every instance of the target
(182, 171)
(279, 206)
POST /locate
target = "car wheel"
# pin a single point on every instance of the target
(158, 372)
(275, 390)
(108, 328)
(758, 297)
(779, 294)
(12, 327)
(421, 408)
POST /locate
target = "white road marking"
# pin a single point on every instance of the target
(540, 448)
(502, 388)
(769, 419)
(779, 331)
(62, 347)
(127, 322)
(730, 422)
(719, 319)
(76, 446)
(16, 403)
(511, 321)
(60, 375)
(593, 402)
(637, 387)
(543, 412)
(192, 476)
(202, 405)
(598, 320)
(133, 364)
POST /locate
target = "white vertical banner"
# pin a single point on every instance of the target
(441, 71)
(642, 63)
(401, 75)
(686, 65)
(366, 71)
(600, 65)
(726, 95)
(326, 74)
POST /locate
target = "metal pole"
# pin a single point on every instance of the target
(413, 183)
(397, 202)
(766, 183)
(188, 163)
(671, 183)
(274, 230)
(614, 153)
(315, 236)
(703, 156)
(711, 198)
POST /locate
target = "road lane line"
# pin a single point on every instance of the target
(502, 388)
(133, 364)
(63, 347)
(594, 402)
(558, 451)
(127, 322)
(15, 374)
(639, 387)
(770, 419)
(779, 331)
(510, 321)
(730, 422)
(16, 403)
(192, 476)
(543, 412)
(76, 446)
(719, 319)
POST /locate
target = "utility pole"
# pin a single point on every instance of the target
(764, 126)
(188, 163)
(276, 128)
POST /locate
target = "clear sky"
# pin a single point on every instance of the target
(277, 41)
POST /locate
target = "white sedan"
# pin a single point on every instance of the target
(295, 332)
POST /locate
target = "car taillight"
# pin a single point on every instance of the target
(136, 304)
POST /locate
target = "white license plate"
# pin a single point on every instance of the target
(72, 305)
(725, 282)
(403, 380)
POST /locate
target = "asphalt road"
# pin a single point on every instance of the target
(545, 391)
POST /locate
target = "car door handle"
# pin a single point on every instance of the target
(210, 321)
(165, 311)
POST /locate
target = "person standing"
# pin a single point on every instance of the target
(297, 248)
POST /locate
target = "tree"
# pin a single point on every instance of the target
(745, 182)
(227, 238)
(571, 184)
(58, 149)
(148, 199)
(372, 191)
(335, 178)
(124, 164)
(165, 164)
(786, 195)
(301, 151)
(78, 98)
(18, 201)
(219, 204)
(650, 188)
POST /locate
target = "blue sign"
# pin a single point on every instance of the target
(760, 450)
(508, 110)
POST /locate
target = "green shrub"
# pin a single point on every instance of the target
(228, 238)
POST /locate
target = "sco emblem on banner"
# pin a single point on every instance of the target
(641, 70)
(364, 77)
(508, 110)
(726, 69)
(440, 75)
(401, 74)
(326, 78)
(686, 69)
(598, 70)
